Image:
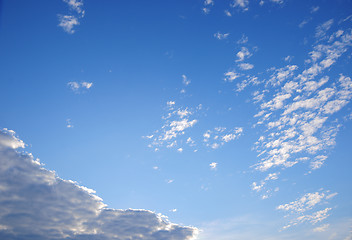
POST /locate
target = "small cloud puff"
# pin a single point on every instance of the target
(221, 36)
(213, 165)
(76, 87)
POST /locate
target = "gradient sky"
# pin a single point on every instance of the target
(230, 117)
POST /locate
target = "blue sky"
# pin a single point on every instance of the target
(231, 118)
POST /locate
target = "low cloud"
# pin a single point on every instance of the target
(36, 204)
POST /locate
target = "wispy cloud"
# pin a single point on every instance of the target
(221, 36)
(242, 4)
(77, 87)
(62, 209)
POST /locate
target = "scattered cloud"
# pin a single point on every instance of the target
(207, 5)
(321, 30)
(75, 5)
(221, 36)
(243, 39)
(220, 135)
(243, 4)
(36, 204)
(301, 209)
(67, 23)
(176, 122)
(77, 87)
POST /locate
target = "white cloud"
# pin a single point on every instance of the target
(76, 87)
(68, 22)
(321, 228)
(278, 1)
(227, 13)
(221, 36)
(306, 203)
(321, 30)
(243, 54)
(86, 85)
(75, 5)
(314, 9)
(288, 58)
(218, 137)
(206, 10)
(243, 39)
(231, 76)
(241, 4)
(69, 123)
(185, 80)
(213, 165)
(35, 202)
(170, 103)
(176, 122)
(304, 22)
(246, 66)
(208, 2)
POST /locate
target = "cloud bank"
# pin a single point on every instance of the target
(36, 204)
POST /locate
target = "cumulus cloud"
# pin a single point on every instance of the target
(243, 54)
(36, 204)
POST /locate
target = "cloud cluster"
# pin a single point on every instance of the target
(176, 122)
(219, 136)
(301, 209)
(36, 204)
(297, 108)
(68, 22)
(221, 36)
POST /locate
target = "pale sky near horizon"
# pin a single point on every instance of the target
(165, 119)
